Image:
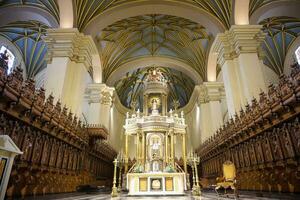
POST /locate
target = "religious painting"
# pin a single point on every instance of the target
(169, 184)
(143, 184)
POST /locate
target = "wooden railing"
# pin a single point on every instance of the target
(263, 141)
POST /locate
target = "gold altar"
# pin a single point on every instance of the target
(155, 131)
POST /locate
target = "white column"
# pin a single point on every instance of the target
(69, 61)
(100, 98)
(238, 55)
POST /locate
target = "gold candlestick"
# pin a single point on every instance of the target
(114, 192)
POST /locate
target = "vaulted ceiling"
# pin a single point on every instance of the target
(49, 6)
(147, 36)
(86, 11)
(281, 33)
(28, 38)
(130, 88)
(150, 35)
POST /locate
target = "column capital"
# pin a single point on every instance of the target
(237, 40)
(99, 93)
(210, 91)
(69, 42)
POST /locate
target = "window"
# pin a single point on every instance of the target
(11, 58)
(297, 52)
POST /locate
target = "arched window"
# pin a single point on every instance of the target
(7, 58)
(297, 53)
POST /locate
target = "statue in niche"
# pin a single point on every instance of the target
(277, 150)
(268, 154)
(288, 145)
(154, 104)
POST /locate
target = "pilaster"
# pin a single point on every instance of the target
(238, 54)
(69, 66)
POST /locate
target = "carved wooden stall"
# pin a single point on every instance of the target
(59, 152)
(263, 141)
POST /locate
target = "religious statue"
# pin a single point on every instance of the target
(154, 104)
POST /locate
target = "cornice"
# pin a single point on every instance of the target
(72, 44)
(99, 93)
(239, 39)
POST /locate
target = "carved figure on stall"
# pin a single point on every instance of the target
(288, 145)
(277, 150)
(27, 146)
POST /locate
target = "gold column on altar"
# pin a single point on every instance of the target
(143, 149)
(126, 153)
(184, 153)
(166, 148)
(137, 147)
(172, 148)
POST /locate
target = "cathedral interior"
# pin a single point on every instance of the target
(149, 99)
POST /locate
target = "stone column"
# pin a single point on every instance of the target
(238, 56)
(69, 66)
(100, 98)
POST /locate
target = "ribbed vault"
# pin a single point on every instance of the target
(86, 11)
(49, 6)
(27, 36)
(281, 33)
(257, 4)
(153, 35)
(130, 88)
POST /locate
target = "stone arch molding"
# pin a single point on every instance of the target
(150, 61)
(12, 14)
(276, 9)
(164, 7)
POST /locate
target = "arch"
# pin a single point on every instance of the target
(153, 60)
(165, 7)
(26, 13)
(15, 50)
(66, 14)
(276, 9)
(241, 12)
(212, 65)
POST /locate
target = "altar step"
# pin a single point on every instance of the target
(206, 195)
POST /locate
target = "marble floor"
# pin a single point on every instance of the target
(206, 195)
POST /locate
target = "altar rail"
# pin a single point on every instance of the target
(59, 151)
(263, 141)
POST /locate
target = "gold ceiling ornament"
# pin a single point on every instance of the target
(153, 35)
(88, 10)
